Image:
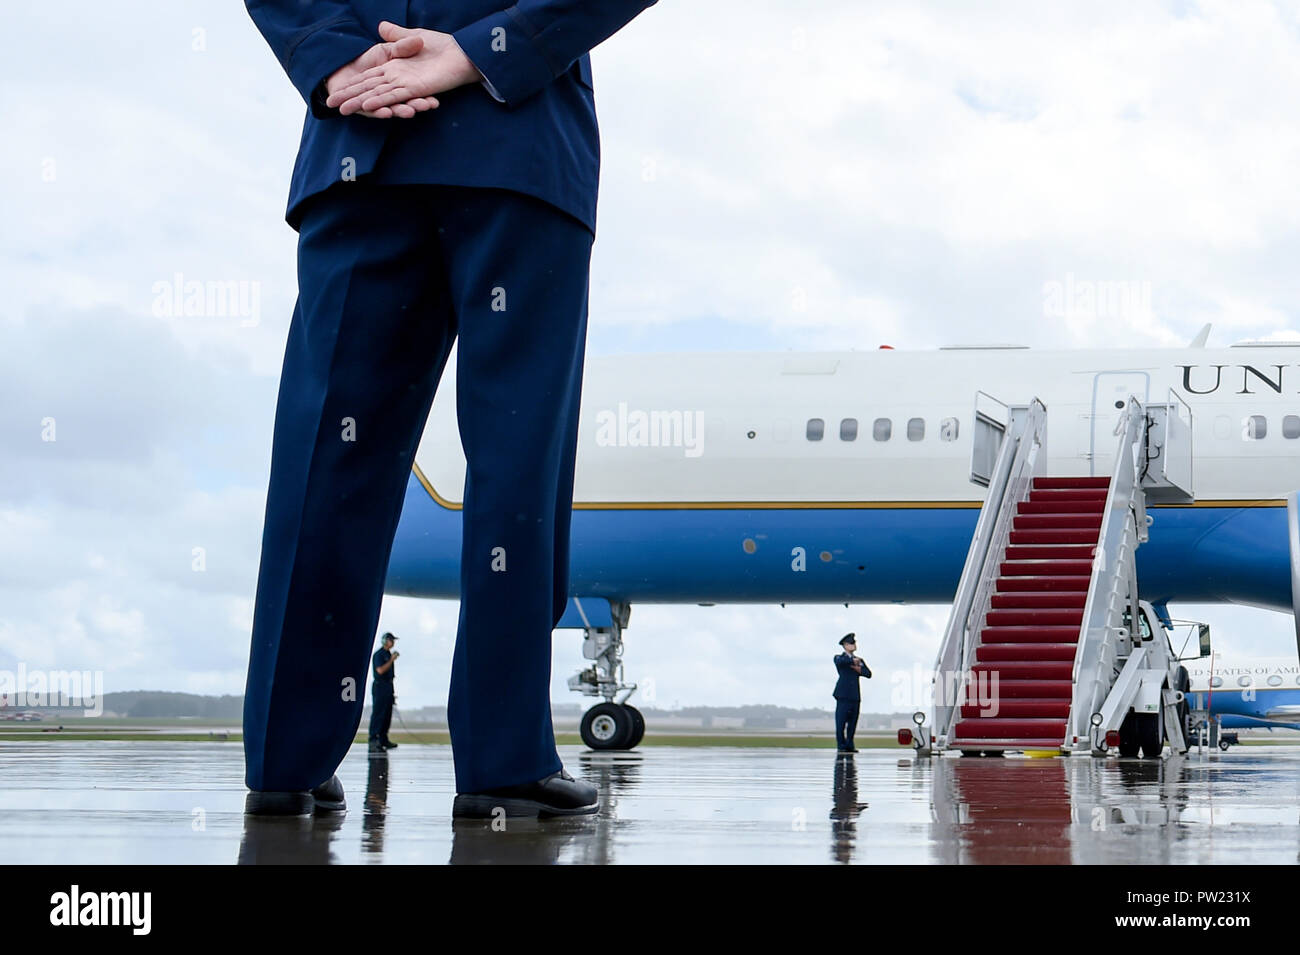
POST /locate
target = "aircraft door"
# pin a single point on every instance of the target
(1111, 391)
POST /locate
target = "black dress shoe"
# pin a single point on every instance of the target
(327, 797)
(559, 794)
(388, 744)
(299, 803)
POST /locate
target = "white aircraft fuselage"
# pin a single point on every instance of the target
(845, 477)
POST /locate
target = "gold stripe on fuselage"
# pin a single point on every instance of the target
(796, 505)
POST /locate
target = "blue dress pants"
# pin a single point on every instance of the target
(389, 276)
(846, 722)
(382, 699)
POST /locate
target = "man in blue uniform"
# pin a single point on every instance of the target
(445, 189)
(382, 697)
(848, 698)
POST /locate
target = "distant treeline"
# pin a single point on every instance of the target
(156, 704)
(769, 716)
(150, 704)
(757, 712)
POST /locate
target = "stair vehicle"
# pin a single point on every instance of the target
(1049, 648)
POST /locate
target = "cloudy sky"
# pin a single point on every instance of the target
(832, 176)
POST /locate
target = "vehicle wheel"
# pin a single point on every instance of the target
(972, 752)
(1184, 683)
(1129, 744)
(606, 726)
(1224, 744)
(1151, 734)
(994, 752)
(638, 726)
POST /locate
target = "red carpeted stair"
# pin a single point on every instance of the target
(1032, 631)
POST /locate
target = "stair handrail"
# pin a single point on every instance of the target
(1114, 573)
(1012, 478)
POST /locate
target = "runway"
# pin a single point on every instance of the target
(160, 802)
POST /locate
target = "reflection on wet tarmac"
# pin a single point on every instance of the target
(376, 805)
(159, 802)
(292, 840)
(1003, 810)
(845, 808)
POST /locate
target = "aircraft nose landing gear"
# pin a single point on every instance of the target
(612, 725)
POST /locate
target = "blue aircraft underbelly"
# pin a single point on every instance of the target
(858, 555)
(1238, 709)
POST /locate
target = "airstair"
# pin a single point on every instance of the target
(1048, 647)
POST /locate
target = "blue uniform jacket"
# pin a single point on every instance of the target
(542, 140)
(846, 688)
(383, 682)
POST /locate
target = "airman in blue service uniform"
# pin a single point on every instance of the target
(383, 667)
(848, 697)
(444, 192)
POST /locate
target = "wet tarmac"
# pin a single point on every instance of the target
(159, 802)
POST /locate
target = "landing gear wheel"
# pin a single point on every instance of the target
(972, 752)
(638, 726)
(606, 726)
(994, 752)
(1129, 743)
(1150, 733)
(1184, 683)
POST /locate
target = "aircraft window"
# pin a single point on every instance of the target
(1243, 681)
(1291, 426)
(1274, 680)
(1254, 428)
(816, 428)
(1216, 681)
(915, 429)
(948, 429)
(1144, 627)
(849, 429)
(882, 429)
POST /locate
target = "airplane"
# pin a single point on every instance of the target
(1247, 694)
(844, 477)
